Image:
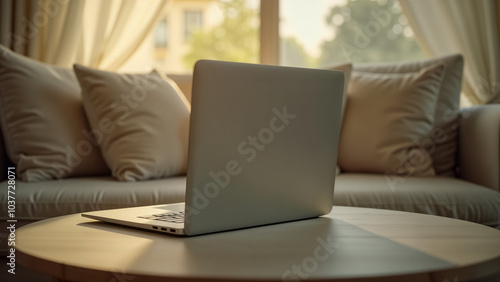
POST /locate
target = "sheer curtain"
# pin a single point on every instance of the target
(469, 27)
(95, 33)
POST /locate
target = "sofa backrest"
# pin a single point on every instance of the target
(184, 81)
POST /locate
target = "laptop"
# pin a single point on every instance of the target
(262, 150)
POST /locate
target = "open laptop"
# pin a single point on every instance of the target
(262, 150)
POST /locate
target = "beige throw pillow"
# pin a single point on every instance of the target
(388, 116)
(443, 143)
(141, 122)
(44, 126)
(346, 69)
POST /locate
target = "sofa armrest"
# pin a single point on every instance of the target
(479, 146)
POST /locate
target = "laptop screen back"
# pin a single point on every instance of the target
(263, 145)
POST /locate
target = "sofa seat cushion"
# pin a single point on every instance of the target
(442, 196)
(35, 201)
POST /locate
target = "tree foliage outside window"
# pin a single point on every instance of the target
(363, 31)
(369, 31)
(292, 53)
(235, 39)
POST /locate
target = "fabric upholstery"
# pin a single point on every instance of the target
(441, 196)
(480, 146)
(443, 142)
(35, 201)
(44, 126)
(387, 117)
(469, 27)
(185, 83)
(141, 122)
(102, 34)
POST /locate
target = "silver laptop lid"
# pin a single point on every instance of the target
(263, 145)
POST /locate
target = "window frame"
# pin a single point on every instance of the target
(269, 45)
(269, 36)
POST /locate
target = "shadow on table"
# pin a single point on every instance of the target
(307, 249)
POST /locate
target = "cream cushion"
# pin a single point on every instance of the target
(387, 117)
(44, 127)
(74, 195)
(435, 195)
(442, 145)
(346, 69)
(141, 122)
(441, 196)
(184, 82)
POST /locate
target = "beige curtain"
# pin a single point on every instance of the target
(95, 33)
(469, 27)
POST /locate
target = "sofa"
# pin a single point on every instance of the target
(470, 191)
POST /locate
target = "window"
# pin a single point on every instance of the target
(161, 39)
(211, 29)
(301, 33)
(193, 23)
(161, 35)
(344, 31)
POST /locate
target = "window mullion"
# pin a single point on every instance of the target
(269, 32)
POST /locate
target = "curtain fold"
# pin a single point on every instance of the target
(469, 27)
(95, 33)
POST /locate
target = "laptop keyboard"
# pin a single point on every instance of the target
(175, 217)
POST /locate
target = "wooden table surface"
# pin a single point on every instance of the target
(366, 244)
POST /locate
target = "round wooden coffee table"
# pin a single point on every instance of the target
(349, 244)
